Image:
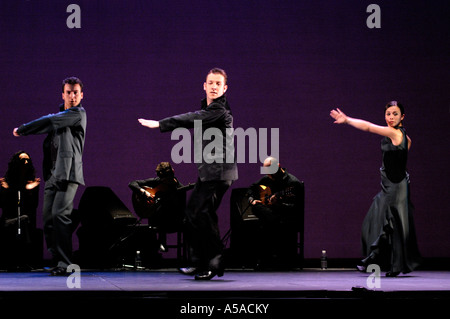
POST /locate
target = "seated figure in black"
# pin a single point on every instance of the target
(19, 198)
(275, 199)
(160, 201)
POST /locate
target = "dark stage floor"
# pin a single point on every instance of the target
(237, 293)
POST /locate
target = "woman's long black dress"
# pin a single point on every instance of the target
(388, 232)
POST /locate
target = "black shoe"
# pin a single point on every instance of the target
(49, 269)
(209, 274)
(189, 271)
(59, 271)
(392, 273)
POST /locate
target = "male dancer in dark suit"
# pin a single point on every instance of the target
(63, 169)
(216, 172)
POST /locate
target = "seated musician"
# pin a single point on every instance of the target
(275, 199)
(159, 200)
(19, 198)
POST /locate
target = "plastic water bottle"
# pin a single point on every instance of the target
(138, 261)
(323, 260)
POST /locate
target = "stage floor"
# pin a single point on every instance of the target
(237, 292)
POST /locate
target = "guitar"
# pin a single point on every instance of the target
(152, 199)
(265, 193)
(146, 206)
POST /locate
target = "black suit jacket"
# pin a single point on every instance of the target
(220, 164)
(66, 131)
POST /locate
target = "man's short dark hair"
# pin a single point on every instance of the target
(219, 71)
(72, 81)
(164, 170)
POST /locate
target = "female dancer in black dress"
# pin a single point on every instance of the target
(388, 233)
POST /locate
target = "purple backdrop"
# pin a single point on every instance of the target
(289, 64)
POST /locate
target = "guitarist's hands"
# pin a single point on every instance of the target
(149, 123)
(256, 201)
(146, 193)
(272, 199)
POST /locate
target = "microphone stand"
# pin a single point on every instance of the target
(19, 230)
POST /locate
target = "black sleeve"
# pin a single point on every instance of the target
(210, 115)
(138, 184)
(51, 122)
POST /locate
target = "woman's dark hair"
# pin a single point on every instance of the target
(19, 173)
(395, 103)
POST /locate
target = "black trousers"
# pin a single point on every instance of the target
(202, 229)
(57, 208)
